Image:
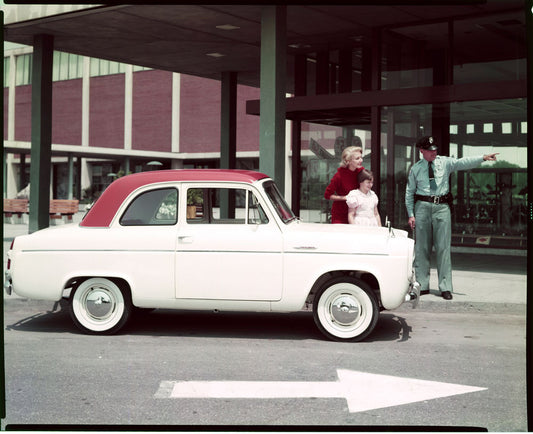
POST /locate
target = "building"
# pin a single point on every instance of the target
(377, 75)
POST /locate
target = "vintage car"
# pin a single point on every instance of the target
(221, 240)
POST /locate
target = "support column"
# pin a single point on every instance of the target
(70, 187)
(4, 163)
(345, 70)
(176, 96)
(296, 166)
(228, 121)
(273, 76)
(322, 73)
(85, 101)
(23, 182)
(41, 132)
(78, 166)
(375, 111)
(128, 108)
(126, 165)
(300, 75)
(391, 157)
(300, 89)
(440, 118)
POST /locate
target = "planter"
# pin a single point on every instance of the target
(191, 211)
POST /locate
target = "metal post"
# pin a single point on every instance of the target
(41, 132)
(272, 82)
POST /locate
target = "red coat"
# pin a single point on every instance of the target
(341, 184)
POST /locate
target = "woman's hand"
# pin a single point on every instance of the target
(338, 198)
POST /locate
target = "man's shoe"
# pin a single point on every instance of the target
(447, 295)
(424, 292)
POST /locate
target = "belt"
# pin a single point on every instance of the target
(437, 200)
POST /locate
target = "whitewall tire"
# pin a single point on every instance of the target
(345, 309)
(99, 306)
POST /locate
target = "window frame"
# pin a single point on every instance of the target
(208, 217)
(152, 222)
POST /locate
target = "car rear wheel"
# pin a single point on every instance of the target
(100, 306)
(345, 309)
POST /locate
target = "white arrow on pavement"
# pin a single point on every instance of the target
(362, 391)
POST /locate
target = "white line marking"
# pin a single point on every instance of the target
(362, 391)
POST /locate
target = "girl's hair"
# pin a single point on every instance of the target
(364, 175)
(348, 153)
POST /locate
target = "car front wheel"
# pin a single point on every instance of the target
(345, 309)
(99, 306)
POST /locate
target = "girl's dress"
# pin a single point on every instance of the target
(365, 204)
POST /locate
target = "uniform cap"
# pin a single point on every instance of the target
(427, 143)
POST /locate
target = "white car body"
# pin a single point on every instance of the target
(278, 264)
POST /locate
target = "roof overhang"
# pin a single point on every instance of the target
(207, 40)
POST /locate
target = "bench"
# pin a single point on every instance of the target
(15, 207)
(60, 208)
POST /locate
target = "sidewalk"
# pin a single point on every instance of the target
(478, 279)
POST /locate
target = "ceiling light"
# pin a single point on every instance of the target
(217, 55)
(297, 46)
(227, 27)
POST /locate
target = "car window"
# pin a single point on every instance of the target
(256, 214)
(224, 206)
(155, 207)
(281, 207)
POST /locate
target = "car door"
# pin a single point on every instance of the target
(142, 243)
(230, 248)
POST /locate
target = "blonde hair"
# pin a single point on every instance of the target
(348, 154)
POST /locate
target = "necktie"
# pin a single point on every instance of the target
(432, 183)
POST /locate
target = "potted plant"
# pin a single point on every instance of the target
(195, 197)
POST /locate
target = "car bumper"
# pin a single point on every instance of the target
(8, 286)
(413, 295)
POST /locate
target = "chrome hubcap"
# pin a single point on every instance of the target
(345, 310)
(99, 304)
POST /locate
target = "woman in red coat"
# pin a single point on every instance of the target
(343, 182)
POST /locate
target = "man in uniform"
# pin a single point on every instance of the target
(428, 199)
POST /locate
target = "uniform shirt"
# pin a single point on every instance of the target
(418, 180)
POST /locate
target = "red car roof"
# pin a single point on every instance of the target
(102, 212)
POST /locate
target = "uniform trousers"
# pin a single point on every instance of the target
(433, 226)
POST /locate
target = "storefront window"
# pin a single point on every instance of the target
(491, 200)
(322, 146)
(500, 52)
(23, 69)
(400, 126)
(408, 55)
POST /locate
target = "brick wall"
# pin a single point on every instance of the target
(66, 112)
(152, 111)
(106, 119)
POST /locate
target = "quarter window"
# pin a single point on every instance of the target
(152, 208)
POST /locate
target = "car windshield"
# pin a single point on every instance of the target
(281, 207)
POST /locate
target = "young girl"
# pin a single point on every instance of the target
(363, 203)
